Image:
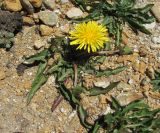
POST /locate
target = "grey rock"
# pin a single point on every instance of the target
(48, 17)
(74, 13)
(27, 6)
(49, 4)
(156, 39)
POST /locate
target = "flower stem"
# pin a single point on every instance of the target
(75, 74)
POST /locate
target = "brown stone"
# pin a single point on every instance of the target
(131, 58)
(36, 3)
(128, 97)
(46, 30)
(102, 99)
(12, 5)
(2, 74)
(156, 10)
(27, 85)
(140, 67)
(28, 20)
(124, 38)
(143, 51)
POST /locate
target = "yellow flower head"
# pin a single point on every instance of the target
(89, 36)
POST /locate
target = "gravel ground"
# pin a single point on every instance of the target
(16, 116)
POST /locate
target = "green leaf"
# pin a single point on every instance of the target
(39, 80)
(100, 59)
(65, 74)
(96, 128)
(125, 4)
(37, 57)
(135, 105)
(81, 4)
(146, 9)
(137, 26)
(69, 95)
(115, 104)
(109, 118)
(156, 82)
(118, 34)
(126, 50)
(111, 71)
(97, 90)
(77, 91)
(82, 116)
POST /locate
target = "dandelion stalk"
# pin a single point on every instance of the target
(75, 74)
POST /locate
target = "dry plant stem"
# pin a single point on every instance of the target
(56, 102)
(105, 53)
(75, 74)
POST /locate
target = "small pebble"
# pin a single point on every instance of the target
(74, 13)
(48, 17)
(102, 84)
(49, 4)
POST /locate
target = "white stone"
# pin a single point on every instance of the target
(156, 39)
(51, 80)
(74, 13)
(64, 1)
(102, 84)
(150, 26)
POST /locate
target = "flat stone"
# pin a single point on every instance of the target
(102, 84)
(156, 10)
(50, 4)
(128, 97)
(46, 30)
(74, 13)
(48, 17)
(36, 3)
(12, 5)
